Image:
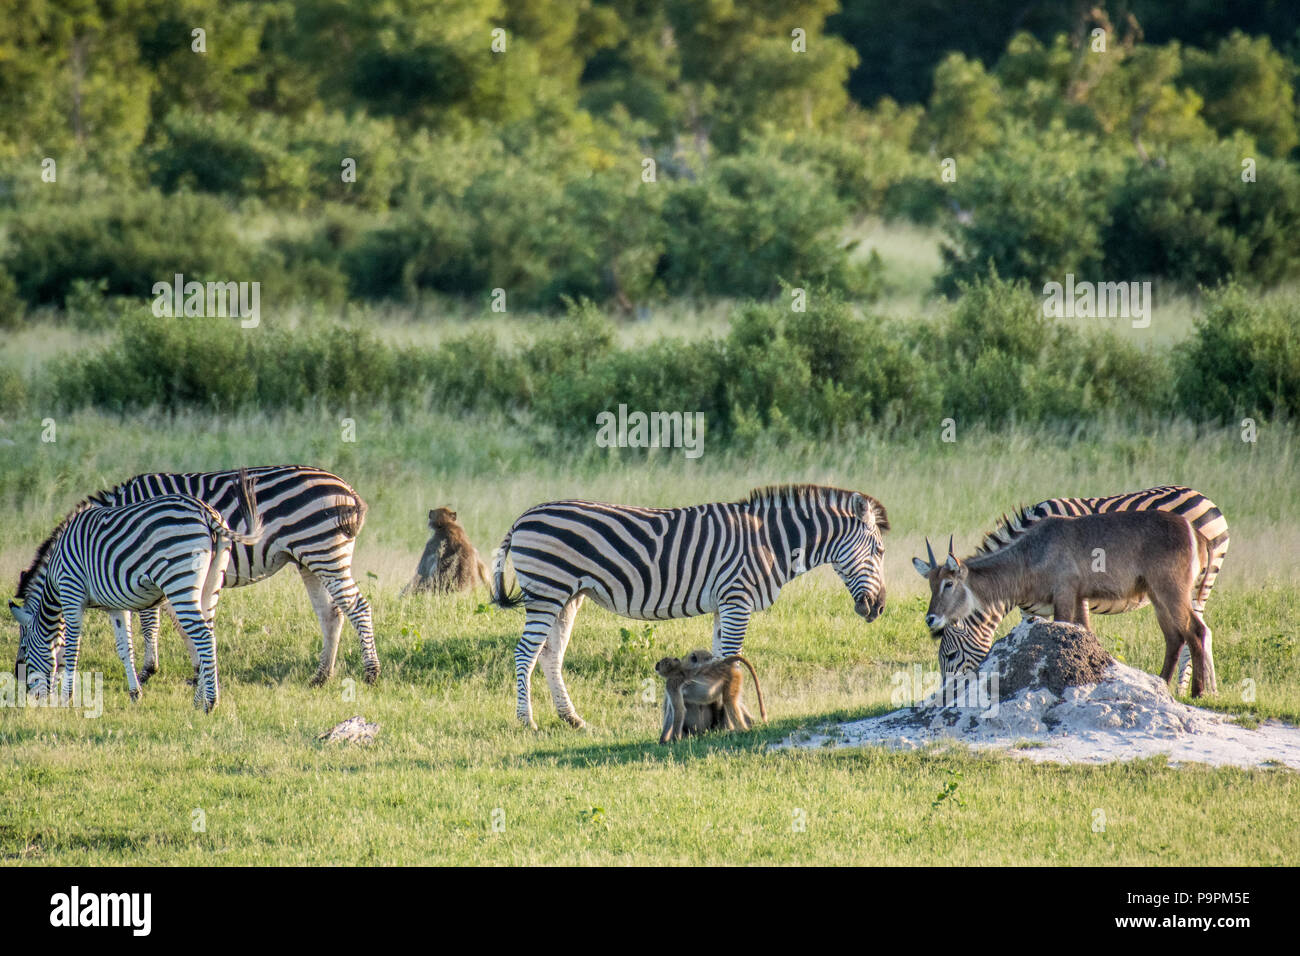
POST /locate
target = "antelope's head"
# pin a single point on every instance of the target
(954, 618)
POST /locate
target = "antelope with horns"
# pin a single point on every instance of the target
(1120, 558)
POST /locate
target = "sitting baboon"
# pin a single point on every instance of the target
(697, 688)
(449, 562)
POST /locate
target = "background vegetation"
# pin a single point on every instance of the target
(776, 174)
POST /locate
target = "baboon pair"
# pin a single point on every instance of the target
(702, 692)
(449, 562)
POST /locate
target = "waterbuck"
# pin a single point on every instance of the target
(1119, 560)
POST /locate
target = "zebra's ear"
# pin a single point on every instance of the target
(882, 516)
(868, 509)
(20, 613)
(922, 567)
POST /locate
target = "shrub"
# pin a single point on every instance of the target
(12, 307)
(1002, 360)
(129, 239)
(749, 222)
(1195, 221)
(1243, 359)
(1036, 211)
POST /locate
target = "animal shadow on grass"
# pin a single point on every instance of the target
(747, 741)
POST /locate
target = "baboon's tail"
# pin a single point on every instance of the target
(482, 570)
(499, 596)
(252, 521)
(758, 688)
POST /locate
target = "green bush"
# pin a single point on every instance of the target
(1002, 360)
(129, 239)
(12, 306)
(1244, 358)
(1194, 220)
(1036, 211)
(749, 222)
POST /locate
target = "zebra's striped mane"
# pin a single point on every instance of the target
(26, 577)
(815, 494)
(1006, 531)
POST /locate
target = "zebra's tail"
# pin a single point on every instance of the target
(352, 517)
(499, 596)
(248, 508)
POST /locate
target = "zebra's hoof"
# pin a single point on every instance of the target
(318, 679)
(145, 674)
(574, 721)
(527, 722)
(135, 696)
(372, 674)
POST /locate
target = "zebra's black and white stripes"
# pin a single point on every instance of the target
(1203, 514)
(122, 559)
(729, 559)
(312, 519)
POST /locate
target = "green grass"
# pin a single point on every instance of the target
(124, 788)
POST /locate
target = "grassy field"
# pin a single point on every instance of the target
(452, 779)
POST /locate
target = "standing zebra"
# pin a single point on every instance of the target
(729, 559)
(1203, 514)
(312, 521)
(172, 547)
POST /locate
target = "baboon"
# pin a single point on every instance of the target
(708, 684)
(449, 562)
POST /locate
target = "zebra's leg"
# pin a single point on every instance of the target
(189, 611)
(552, 659)
(72, 615)
(149, 621)
(1083, 614)
(539, 617)
(347, 596)
(122, 633)
(729, 626)
(189, 642)
(331, 624)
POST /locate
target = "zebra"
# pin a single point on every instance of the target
(312, 520)
(729, 559)
(1203, 514)
(123, 559)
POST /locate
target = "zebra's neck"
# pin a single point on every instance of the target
(789, 532)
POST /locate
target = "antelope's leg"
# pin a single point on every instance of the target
(1175, 633)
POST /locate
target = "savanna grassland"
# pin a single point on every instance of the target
(125, 787)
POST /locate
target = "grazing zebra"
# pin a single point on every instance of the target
(729, 559)
(123, 559)
(1205, 517)
(312, 521)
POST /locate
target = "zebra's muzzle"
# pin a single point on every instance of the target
(870, 608)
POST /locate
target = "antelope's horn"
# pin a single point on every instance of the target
(929, 552)
(950, 546)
